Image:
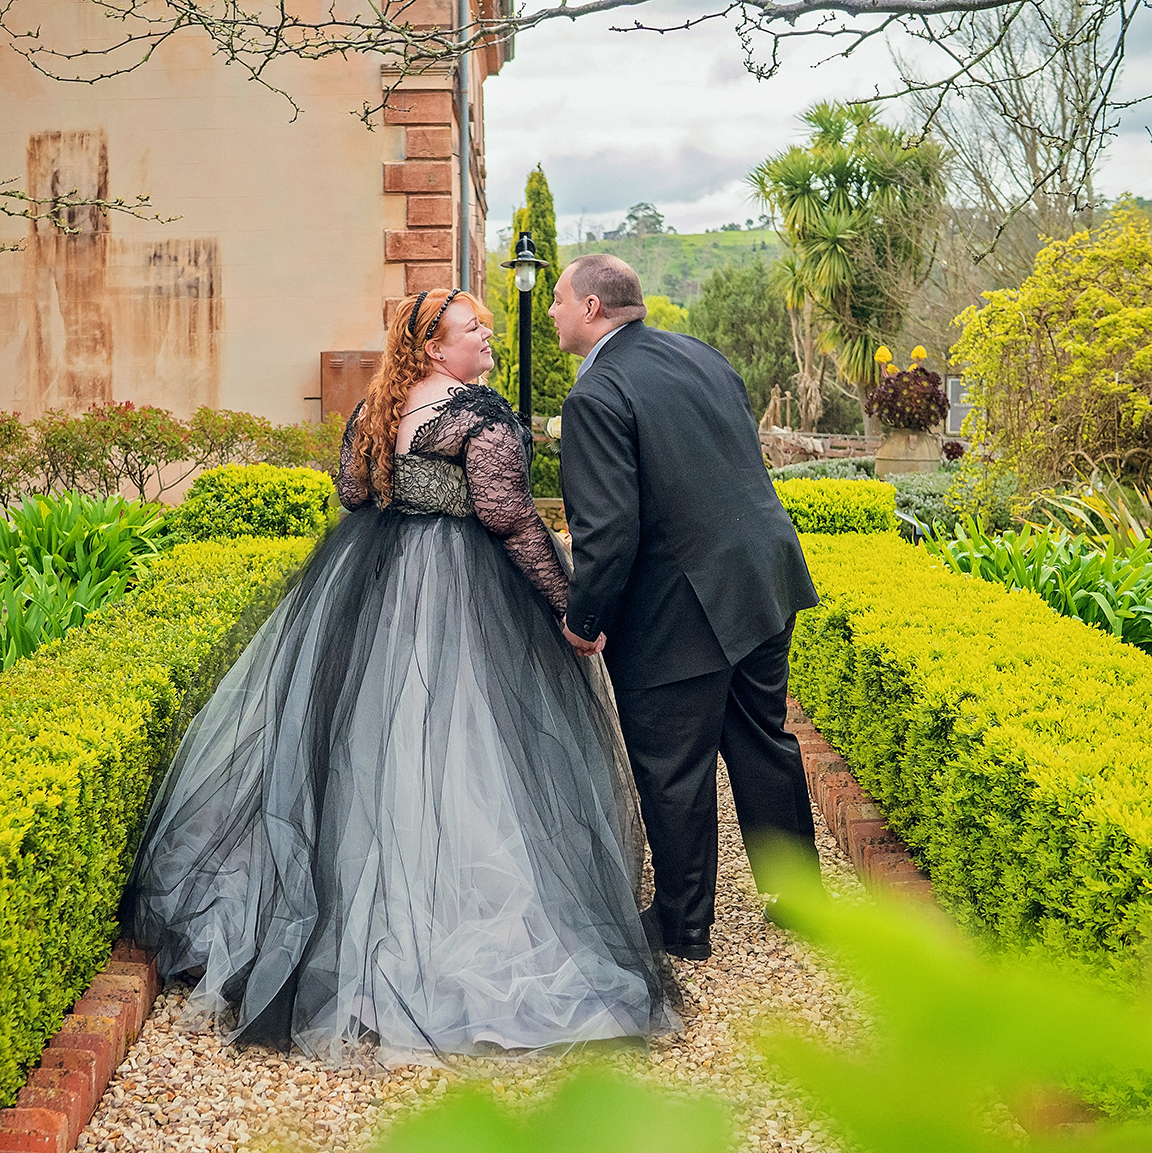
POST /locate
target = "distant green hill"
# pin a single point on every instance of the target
(675, 266)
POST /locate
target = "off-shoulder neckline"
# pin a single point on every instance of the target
(456, 393)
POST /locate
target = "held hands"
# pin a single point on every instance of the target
(583, 647)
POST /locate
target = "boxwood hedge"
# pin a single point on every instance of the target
(1010, 747)
(85, 723)
(836, 506)
(237, 500)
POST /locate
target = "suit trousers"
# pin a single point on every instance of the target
(673, 732)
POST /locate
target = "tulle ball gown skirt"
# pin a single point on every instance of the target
(402, 819)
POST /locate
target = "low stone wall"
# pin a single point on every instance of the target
(551, 510)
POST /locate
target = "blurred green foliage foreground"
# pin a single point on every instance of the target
(592, 1113)
(967, 1054)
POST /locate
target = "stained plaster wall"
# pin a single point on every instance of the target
(276, 255)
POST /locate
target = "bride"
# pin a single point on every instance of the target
(403, 817)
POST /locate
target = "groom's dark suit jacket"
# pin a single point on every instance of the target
(683, 553)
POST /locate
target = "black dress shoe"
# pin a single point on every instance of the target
(694, 945)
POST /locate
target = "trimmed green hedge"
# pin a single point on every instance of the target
(85, 722)
(255, 500)
(837, 506)
(546, 474)
(1008, 746)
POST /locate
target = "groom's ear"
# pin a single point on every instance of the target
(592, 307)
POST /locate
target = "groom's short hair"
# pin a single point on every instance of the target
(614, 283)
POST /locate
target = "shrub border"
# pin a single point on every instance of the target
(135, 716)
(854, 818)
(830, 506)
(1008, 746)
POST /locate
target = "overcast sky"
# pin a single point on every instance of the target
(616, 118)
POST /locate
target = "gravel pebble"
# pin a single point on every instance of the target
(187, 1091)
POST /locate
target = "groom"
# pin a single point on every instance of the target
(688, 572)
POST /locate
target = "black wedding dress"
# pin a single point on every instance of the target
(404, 820)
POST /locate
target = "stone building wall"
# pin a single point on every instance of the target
(291, 237)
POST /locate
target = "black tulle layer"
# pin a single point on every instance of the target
(404, 816)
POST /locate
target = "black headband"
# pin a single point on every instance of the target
(415, 313)
(436, 318)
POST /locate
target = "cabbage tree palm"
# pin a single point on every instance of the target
(858, 205)
(788, 280)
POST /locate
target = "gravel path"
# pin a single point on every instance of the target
(187, 1092)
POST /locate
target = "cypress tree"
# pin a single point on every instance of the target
(553, 371)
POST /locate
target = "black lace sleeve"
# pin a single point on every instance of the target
(353, 493)
(496, 465)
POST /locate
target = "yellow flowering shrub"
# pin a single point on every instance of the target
(1060, 370)
(85, 723)
(1010, 747)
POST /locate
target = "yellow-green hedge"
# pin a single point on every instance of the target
(84, 724)
(237, 500)
(836, 506)
(1010, 747)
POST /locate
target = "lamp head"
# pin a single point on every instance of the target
(526, 262)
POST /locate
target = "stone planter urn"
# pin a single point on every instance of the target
(908, 450)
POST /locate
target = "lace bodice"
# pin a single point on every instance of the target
(470, 458)
(423, 485)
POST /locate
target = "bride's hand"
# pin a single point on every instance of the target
(583, 647)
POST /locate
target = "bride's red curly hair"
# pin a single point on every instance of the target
(405, 363)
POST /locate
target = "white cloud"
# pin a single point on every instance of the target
(672, 119)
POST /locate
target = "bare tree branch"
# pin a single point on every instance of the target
(252, 34)
(60, 211)
(1024, 139)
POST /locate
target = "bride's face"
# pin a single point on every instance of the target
(462, 348)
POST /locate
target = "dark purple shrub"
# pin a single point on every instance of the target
(910, 399)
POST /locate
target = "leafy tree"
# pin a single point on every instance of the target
(642, 220)
(739, 313)
(553, 371)
(662, 313)
(859, 204)
(1060, 370)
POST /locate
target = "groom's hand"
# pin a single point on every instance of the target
(583, 647)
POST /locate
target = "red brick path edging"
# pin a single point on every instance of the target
(853, 817)
(61, 1094)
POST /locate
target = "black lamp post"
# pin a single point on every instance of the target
(526, 263)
